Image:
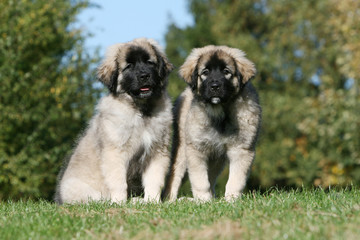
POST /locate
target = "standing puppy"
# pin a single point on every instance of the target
(217, 120)
(124, 151)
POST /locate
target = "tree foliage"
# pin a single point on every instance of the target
(46, 92)
(307, 57)
(307, 54)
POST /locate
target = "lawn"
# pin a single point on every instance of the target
(276, 214)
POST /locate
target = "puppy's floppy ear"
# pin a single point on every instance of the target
(194, 79)
(188, 71)
(164, 65)
(108, 71)
(245, 67)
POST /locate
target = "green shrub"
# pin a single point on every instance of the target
(46, 92)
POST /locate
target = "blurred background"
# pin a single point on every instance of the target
(307, 55)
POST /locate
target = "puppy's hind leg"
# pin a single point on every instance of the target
(74, 190)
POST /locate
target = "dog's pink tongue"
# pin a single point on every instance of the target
(144, 89)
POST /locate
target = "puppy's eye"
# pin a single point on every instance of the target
(151, 62)
(128, 66)
(205, 72)
(226, 71)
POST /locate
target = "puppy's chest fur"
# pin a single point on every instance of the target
(125, 125)
(146, 132)
(219, 127)
(216, 129)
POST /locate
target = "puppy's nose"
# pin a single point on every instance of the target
(215, 86)
(144, 76)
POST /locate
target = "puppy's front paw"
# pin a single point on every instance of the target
(149, 199)
(190, 199)
(232, 197)
(203, 196)
(118, 198)
(137, 200)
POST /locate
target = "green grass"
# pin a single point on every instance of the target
(295, 214)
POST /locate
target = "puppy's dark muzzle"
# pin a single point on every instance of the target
(215, 92)
(146, 86)
(215, 87)
(143, 77)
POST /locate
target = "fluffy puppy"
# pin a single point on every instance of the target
(124, 151)
(216, 120)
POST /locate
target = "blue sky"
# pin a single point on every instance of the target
(123, 20)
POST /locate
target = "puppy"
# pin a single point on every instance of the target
(124, 151)
(216, 120)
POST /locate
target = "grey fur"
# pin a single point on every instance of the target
(209, 134)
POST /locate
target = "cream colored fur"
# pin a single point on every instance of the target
(98, 167)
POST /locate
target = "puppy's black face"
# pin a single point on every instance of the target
(140, 76)
(215, 81)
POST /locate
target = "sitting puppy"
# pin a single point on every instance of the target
(217, 120)
(124, 151)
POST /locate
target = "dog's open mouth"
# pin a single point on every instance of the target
(145, 91)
